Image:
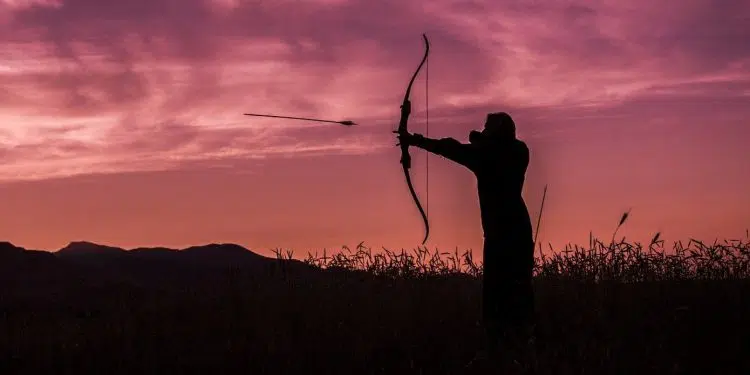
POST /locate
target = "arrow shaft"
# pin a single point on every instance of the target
(293, 118)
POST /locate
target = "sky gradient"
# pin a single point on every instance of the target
(121, 121)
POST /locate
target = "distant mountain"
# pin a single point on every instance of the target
(86, 265)
(223, 255)
(89, 248)
(32, 272)
(8, 247)
(211, 255)
(82, 253)
(12, 256)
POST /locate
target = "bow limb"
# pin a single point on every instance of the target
(402, 130)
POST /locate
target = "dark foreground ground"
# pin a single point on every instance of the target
(103, 312)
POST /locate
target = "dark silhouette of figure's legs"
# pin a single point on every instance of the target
(508, 297)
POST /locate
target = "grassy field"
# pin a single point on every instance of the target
(606, 308)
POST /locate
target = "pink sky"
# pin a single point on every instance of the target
(121, 121)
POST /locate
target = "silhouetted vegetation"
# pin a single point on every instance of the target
(607, 308)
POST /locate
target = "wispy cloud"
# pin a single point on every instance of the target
(91, 86)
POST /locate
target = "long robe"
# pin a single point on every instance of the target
(500, 169)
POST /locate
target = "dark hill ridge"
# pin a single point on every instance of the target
(9, 250)
(35, 273)
(7, 247)
(10, 253)
(88, 248)
(210, 255)
(96, 264)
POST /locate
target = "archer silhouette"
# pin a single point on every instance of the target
(499, 161)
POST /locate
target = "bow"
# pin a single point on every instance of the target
(402, 130)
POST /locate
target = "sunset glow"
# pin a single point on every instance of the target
(121, 121)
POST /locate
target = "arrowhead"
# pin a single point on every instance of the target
(347, 123)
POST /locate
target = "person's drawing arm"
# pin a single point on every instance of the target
(448, 148)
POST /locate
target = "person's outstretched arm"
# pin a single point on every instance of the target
(448, 148)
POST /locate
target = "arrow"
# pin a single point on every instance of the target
(345, 122)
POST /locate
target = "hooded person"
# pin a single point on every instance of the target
(499, 161)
